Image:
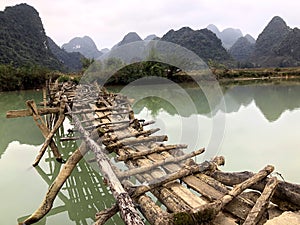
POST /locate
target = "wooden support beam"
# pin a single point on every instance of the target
(106, 214)
(43, 127)
(183, 172)
(262, 203)
(49, 137)
(136, 192)
(26, 112)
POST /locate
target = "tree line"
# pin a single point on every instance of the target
(24, 77)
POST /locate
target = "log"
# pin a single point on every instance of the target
(262, 203)
(51, 134)
(107, 123)
(118, 144)
(103, 109)
(132, 134)
(26, 112)
(43, 127)
(154, 214)
(136, 155)
(55, 187)
(286, 196)
(112, 128)
(156, 164)
(106, 214)
(127, 210)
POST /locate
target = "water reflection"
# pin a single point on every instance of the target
(17, 129)
(262, 125)
(84, 192)
(272, 100)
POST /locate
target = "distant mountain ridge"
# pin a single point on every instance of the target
(228, 36)
(23, 42)
(128, 38)
(202, 42)
(84, 45)
(243, 48)
(266, 52)
(70, 60)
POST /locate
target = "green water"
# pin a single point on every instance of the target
(262, 126)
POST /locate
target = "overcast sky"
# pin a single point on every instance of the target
(107, 21)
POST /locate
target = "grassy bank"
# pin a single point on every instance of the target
(257, 73)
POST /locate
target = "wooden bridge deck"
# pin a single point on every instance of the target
(156, 180)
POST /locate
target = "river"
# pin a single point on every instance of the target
(261, 126)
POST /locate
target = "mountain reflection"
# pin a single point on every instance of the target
(271, 100)
(23, 129)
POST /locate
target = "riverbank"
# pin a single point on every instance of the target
(257, 73)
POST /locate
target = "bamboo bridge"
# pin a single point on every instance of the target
(159, 182)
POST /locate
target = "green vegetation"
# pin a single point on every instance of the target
(23, 40)
(256, 73)
(25, 77)
(115, 71)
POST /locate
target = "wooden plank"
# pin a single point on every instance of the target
(238, 206)
(208, 212)
(186, 195)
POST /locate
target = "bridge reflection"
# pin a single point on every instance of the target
(83, 194)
